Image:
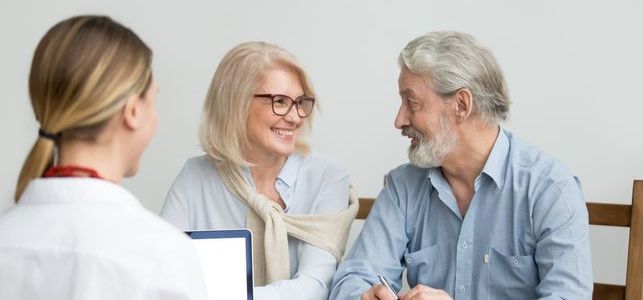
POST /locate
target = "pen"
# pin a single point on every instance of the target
(387, 285)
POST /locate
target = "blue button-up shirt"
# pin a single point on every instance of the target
(524, 236)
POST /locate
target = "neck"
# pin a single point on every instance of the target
(100, 158)
(264, 173)
(470, 155)
(265, 167)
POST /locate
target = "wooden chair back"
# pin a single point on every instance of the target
(623, 215)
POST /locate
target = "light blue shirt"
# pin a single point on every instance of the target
(310, 184)
(524, 236)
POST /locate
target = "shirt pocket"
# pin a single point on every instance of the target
(426, 266)
(511, 277)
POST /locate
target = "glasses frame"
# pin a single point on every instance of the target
(292, 103)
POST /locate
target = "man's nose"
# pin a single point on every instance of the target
(402, 118)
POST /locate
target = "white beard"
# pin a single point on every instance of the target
(431, 153)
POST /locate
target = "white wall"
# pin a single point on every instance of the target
(574, 70)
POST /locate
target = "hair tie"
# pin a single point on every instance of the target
(48, 135)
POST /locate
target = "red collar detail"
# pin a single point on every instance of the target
(71, 171)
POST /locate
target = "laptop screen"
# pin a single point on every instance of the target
(226, 260)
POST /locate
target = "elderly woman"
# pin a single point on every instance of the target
(258, 173)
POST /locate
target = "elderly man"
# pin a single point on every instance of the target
(478, 213)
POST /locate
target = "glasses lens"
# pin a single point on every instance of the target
(305, 106)
(280, 104)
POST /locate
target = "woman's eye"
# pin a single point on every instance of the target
(281, 101)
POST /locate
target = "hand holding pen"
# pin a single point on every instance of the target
(385, 291)
(382, 291)
(388, 286)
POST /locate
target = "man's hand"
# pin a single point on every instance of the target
(423, 292)
(378, 292)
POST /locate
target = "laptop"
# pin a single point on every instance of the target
(226, 260)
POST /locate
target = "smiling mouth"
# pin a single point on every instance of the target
(413, 134)
(283, 132)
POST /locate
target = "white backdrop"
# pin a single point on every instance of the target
(574, 70)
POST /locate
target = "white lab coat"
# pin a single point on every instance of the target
(83, 238)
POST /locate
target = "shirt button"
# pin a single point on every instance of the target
(409, 260)
(461, 290)
(465, 245)
(515, 262)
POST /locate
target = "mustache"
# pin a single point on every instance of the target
(411, 132)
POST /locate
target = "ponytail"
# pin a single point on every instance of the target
(39, 159)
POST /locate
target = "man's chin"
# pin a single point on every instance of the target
(422, 165)
(421, 162)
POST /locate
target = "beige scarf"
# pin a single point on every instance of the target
(270, 228)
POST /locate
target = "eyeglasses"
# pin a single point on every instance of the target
(282, 104)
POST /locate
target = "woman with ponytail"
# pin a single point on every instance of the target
(75, 233)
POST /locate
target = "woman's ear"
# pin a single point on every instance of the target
(131, 113)
(463, 102)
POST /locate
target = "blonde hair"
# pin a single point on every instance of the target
(83, 70)
(223, 127)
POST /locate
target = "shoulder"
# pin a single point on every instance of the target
(197, 186)
(145, 247)
(321, 165)
(402, 185)
(167, 235)
(322, 184)
(197, 170)
(544, 181)
(532, 164)
(406, 175)
(157, 239)
(153, 248)
(126, 237)
(199, 165)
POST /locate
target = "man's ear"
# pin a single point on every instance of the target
(463, 104)
(131, 113)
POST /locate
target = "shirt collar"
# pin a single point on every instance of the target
(440, 184)
(286, 178)
(496, 165)
(288, 173)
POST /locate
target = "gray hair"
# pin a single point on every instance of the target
(451, 61)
